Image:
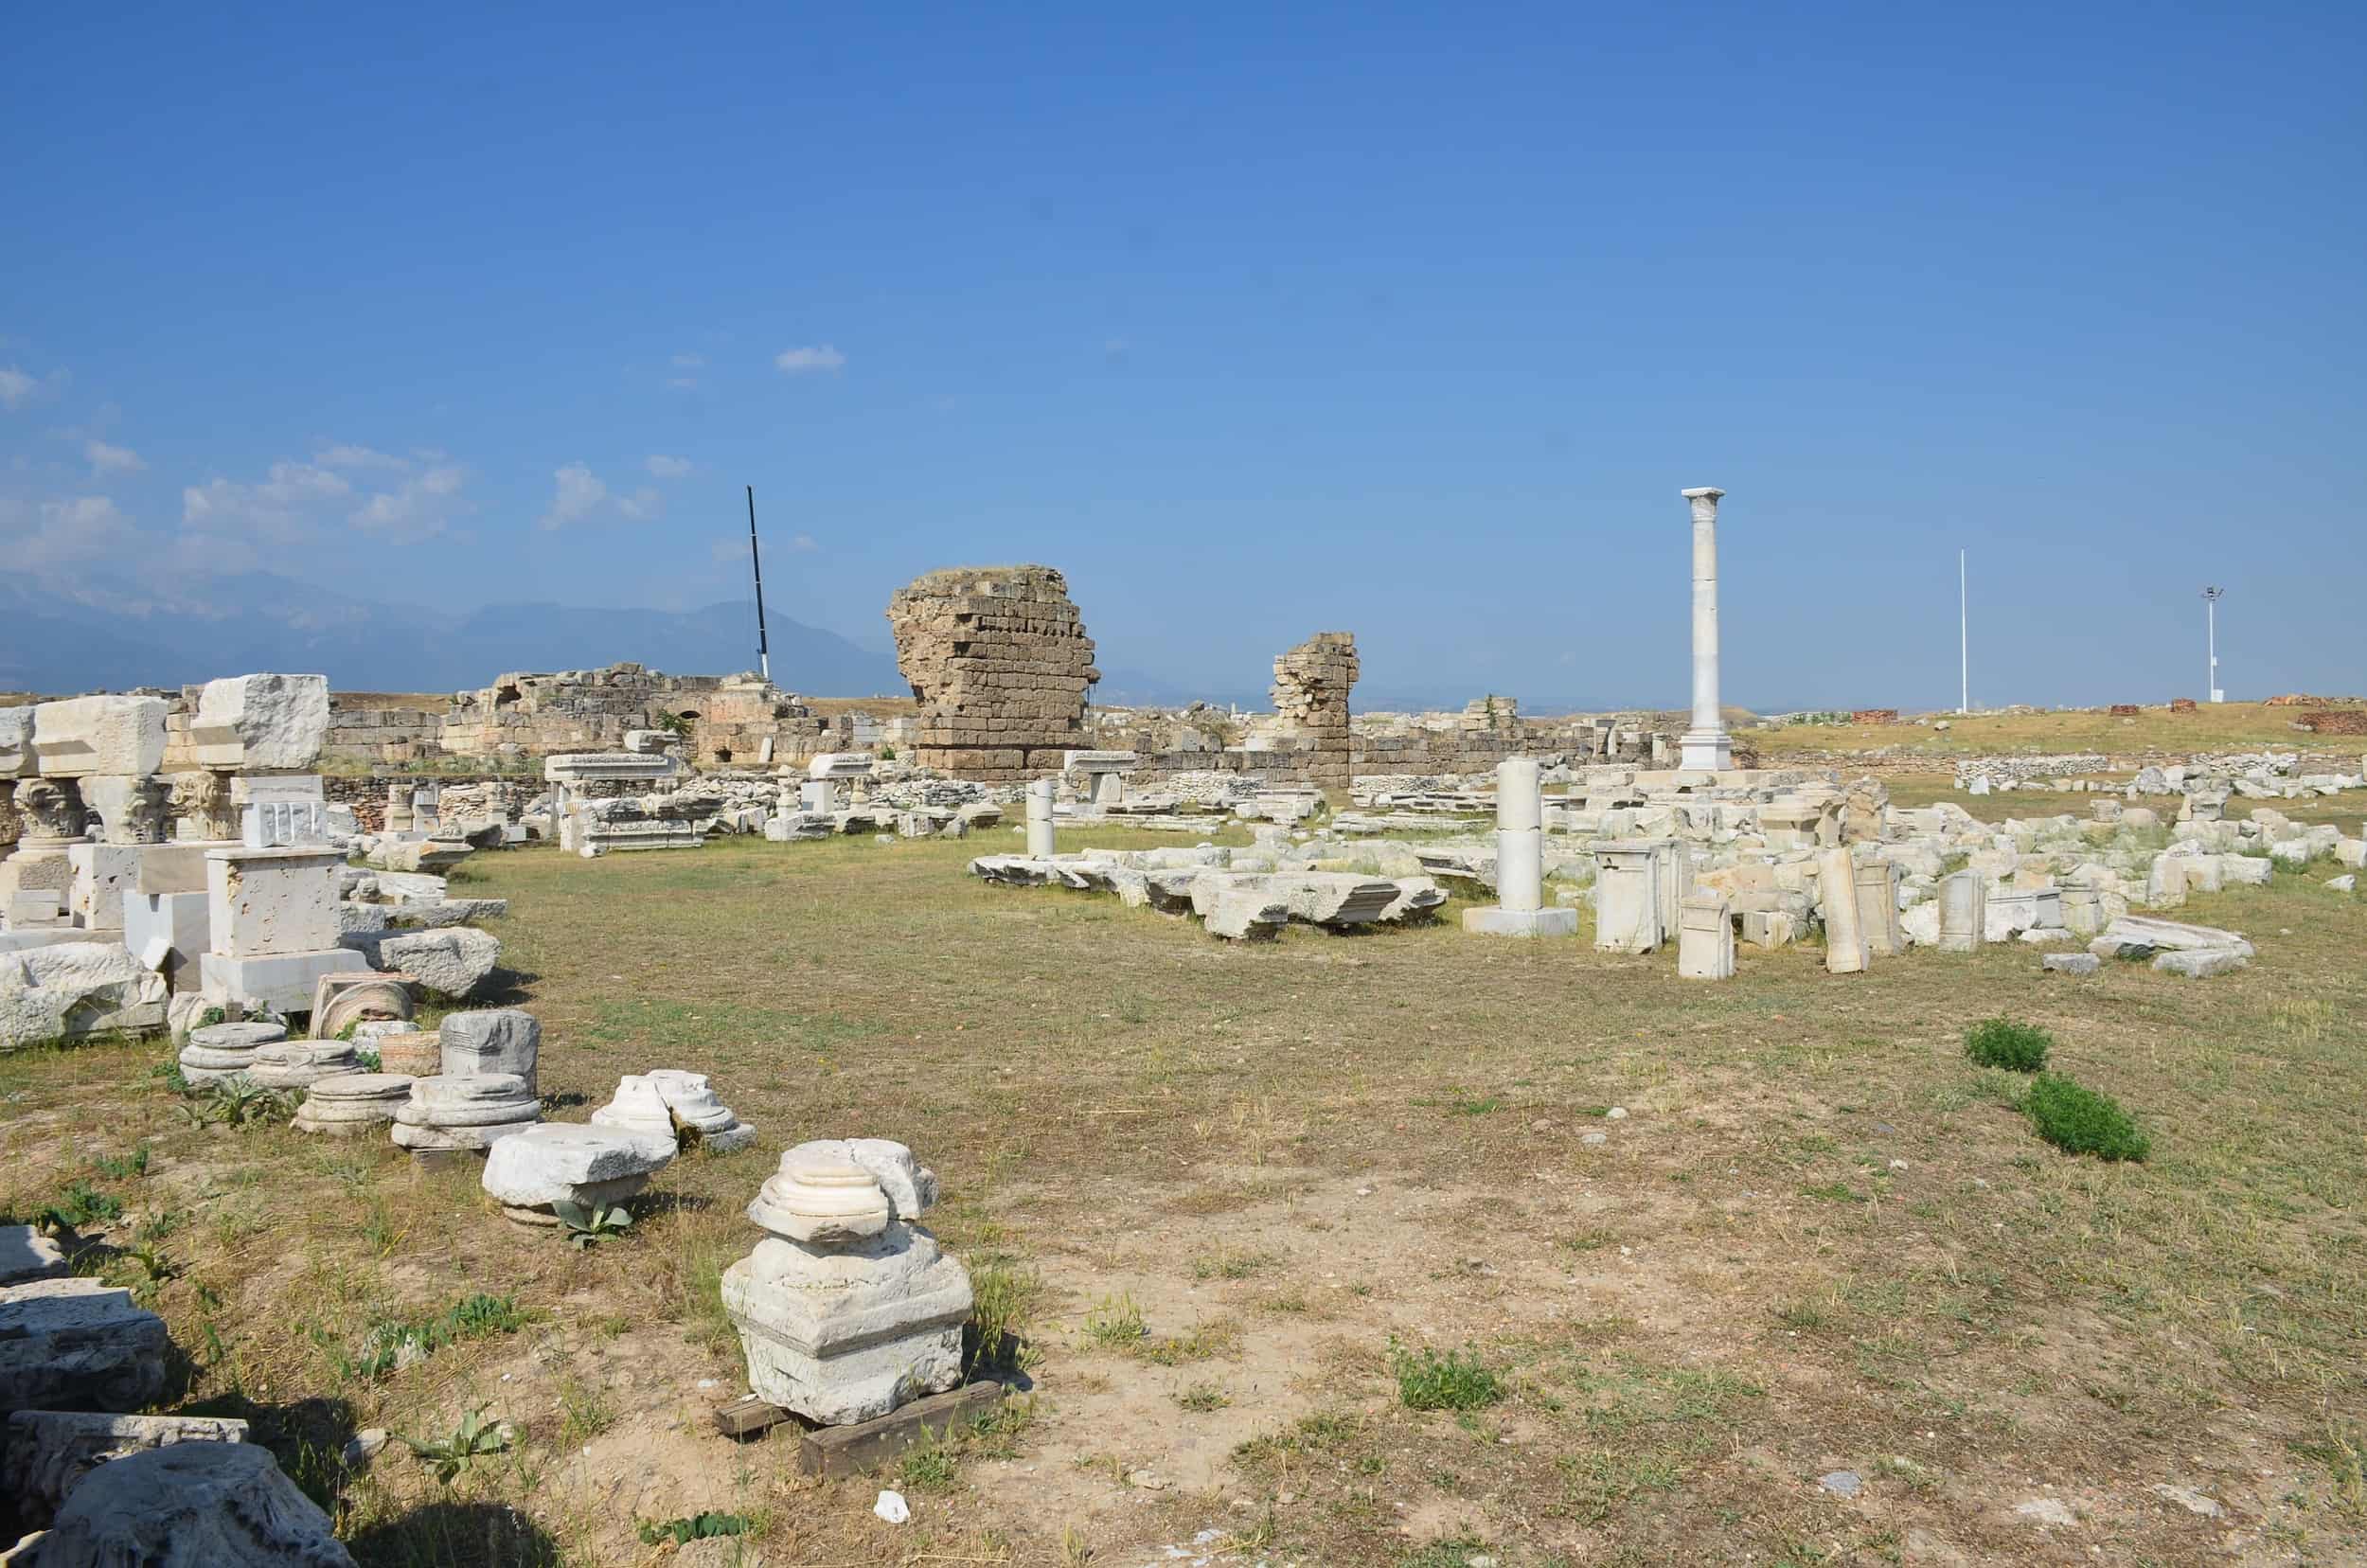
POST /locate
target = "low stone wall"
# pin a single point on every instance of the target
(2335, 721)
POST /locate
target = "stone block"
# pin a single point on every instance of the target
(266, 901)
(83, 737)
(49, 1451)
(75, 1344)
(495, 1040)
(282, 813)
(2201, 963)
(16, 741)
(2071, 963)
(27, 1254)
(261, 724)
(193, 1503)
(553, 1164)
(452, 962)
(281, 981)
(1497, 922)
(1705, 937)
(167, 932)
(103, 874)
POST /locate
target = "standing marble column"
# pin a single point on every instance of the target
(1040, 837)
(1706, 747)
(1521, 860)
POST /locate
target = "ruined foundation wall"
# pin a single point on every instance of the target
(998, 659)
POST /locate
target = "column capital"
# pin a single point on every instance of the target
(1702, 492)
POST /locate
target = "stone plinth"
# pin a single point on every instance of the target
(465, 1112)
(350, 1104)
(998, 659)
(1877, 885)
(280, 981)
(1705, 937)
(266, 901)
(845, 1309)
(216, 1051)
(1635, 893)
(1845, 949)
(1964, 912)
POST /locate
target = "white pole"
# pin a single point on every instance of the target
(1964, 637)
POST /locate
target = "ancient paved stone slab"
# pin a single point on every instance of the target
(2201, 963)
(75, 1344)
(192, 1505)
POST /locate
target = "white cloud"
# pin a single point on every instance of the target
(421, 508)
(349, 456)
(691, 362)
(681, 384)
(62, 533)
(111, 459)
(578, 495)
(819, 356)
(283, 509)
(663, 466)
(804, 542)
(642, 505)
(15, 386)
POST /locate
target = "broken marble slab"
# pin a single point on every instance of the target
(594, 1167)
(76, 1344)
(191, 1506)
(49, 1451)
(27, 1254)
(452, 962)
(2137, 937)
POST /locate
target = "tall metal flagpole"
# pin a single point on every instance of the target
(755, 564)
(2210, 632)
(1964, 637)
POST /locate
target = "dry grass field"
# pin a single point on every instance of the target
(2155, 732)
(1308, 1244)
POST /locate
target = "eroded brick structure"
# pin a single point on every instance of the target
(1310, 698)
(998, 660)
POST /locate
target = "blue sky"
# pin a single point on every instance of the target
(1411, 322)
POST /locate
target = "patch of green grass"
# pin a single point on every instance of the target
(2003, 1042)
(1004, 1300)
(1452, 1552)
(123, 1167)
(400, 1342)
(80, 1204)
(1204, 1396)
(2080, 1120)
(1834, 1192)
(1115, 1322)
(1456, 1380)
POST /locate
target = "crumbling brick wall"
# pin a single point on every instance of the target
(998, 659)
(1311, 696)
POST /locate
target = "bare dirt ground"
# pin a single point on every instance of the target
(1233, 1194)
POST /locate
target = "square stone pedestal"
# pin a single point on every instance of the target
(1494, 921)
(282, 981)
(267, 901)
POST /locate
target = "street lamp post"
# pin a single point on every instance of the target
(2211, 597)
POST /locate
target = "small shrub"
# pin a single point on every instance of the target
(1005, 1296)
(1456, 1380)
(79, 1206)
(588, 1224)
(2080, 1120)
(134, 1164)
(705, 1526)
(472, 1438)
(2003, 1042)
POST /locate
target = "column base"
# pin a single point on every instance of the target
(1710, 751)
(1521, 922)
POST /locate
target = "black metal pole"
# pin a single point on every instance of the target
(756, 563)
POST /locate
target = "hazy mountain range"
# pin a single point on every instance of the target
(97, 634)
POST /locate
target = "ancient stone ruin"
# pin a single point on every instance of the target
(1000, 664)
(1310, 697)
